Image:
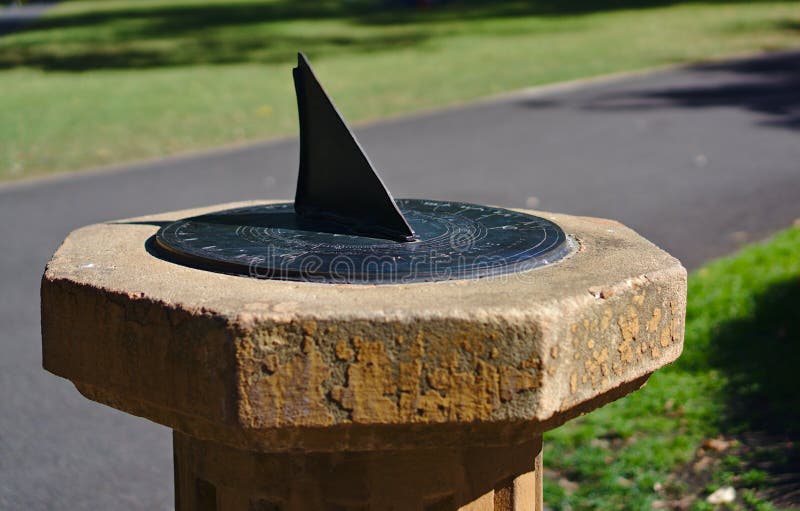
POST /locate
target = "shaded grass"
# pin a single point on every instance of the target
(736, 377)
(104, 82)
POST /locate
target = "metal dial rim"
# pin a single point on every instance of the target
(459, 241)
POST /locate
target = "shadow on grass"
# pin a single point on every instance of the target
(146, 35)
(181, 34)
(760, 356)
(199, 50)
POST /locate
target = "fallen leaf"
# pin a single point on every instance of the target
(717, 444)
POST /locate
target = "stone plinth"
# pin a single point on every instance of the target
(298, 396)
(471, 478)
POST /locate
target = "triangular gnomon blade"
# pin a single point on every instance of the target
(337, 180)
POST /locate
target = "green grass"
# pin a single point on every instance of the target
(96, 82)
(737, 375)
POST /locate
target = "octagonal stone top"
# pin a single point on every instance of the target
(277, 365)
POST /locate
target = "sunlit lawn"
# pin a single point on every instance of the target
(100, 82)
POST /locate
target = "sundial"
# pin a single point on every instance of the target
(345, 227)
(287, 396)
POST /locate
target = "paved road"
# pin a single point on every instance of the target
(697, 160)
(16, 16)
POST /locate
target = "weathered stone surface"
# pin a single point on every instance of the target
(278, 365)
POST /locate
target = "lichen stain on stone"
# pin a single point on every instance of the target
(665, 338)
(605, 321)
(427, 394)
(629, 329)
(343, 350)
(655, 320)
(370, 391)
(654, 351)
(618, 335)
(597, 367)
(291, 392)
(513, 380)
(367, 375)
(309, 327)
(676, 323)
(673, 324)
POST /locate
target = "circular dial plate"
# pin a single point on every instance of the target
(456, 241)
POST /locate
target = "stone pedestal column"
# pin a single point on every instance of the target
(296, 396)
(210, 476)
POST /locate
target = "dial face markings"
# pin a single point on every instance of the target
(456, 241)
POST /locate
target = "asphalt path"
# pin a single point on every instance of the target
(699, 160)
(16, 16)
